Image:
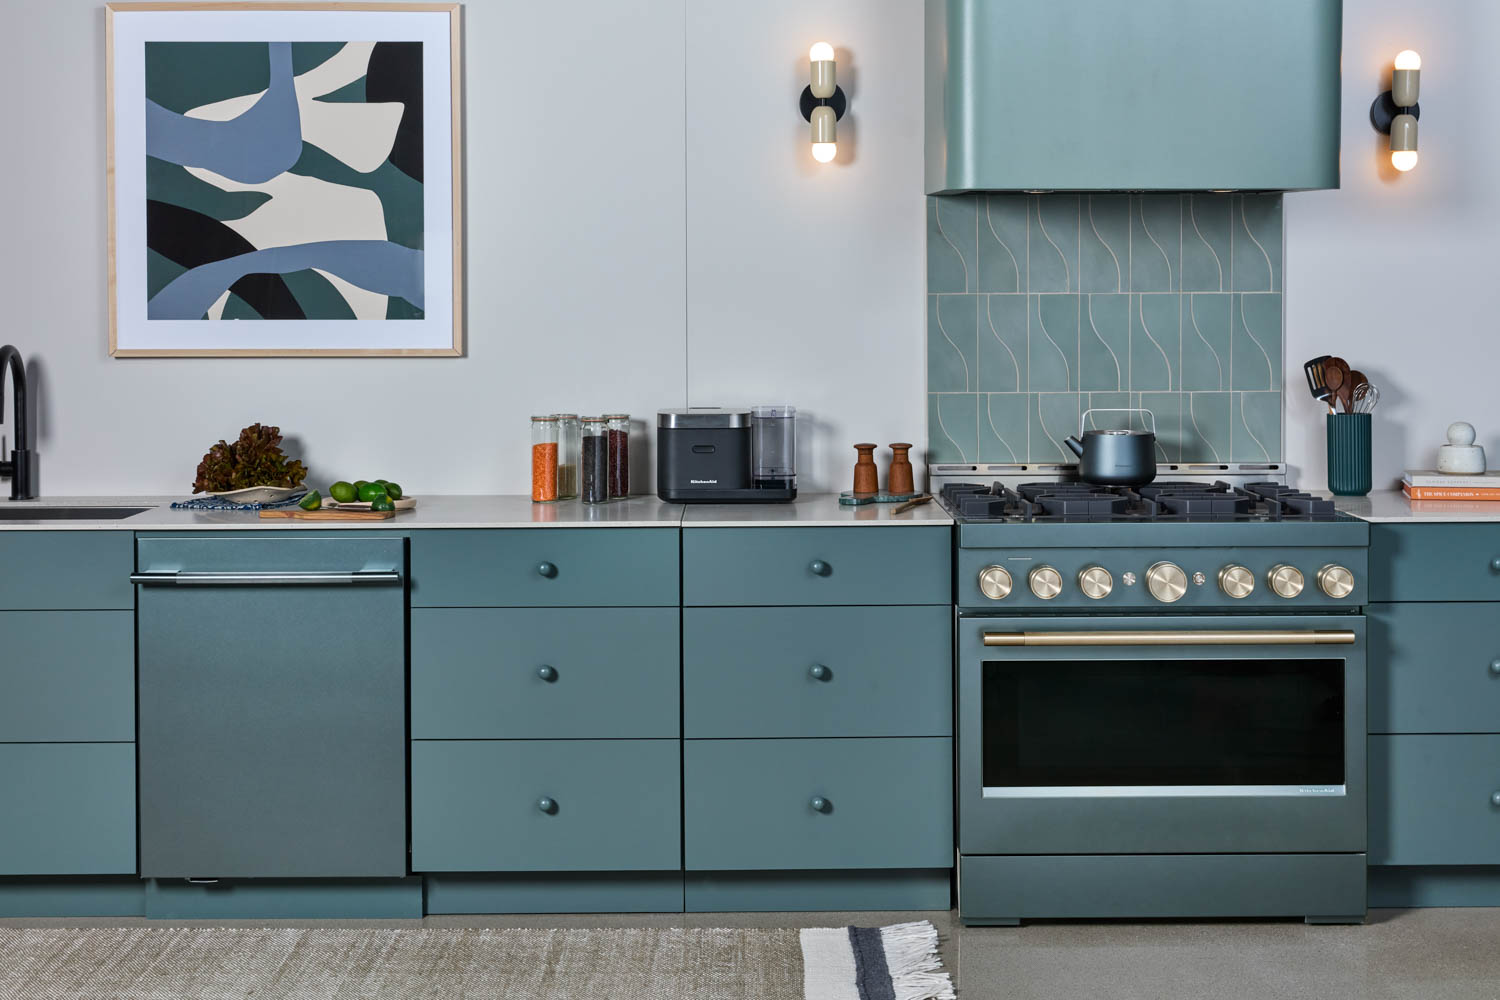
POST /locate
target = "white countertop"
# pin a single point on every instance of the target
(815, 509)
(1392, 507)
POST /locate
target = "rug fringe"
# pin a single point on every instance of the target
(911, 955)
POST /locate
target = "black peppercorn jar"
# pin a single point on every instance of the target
(593, 486)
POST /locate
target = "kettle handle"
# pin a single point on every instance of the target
(1083, 421)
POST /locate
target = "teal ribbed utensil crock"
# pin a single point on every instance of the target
(1349, 454)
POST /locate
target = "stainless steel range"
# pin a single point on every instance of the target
(1161, 702)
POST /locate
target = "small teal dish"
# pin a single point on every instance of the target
(1349, 454)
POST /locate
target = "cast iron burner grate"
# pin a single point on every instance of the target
(1162, 501)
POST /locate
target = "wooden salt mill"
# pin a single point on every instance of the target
(866, 476)
(899, 479)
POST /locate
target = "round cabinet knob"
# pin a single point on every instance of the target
(1236, 581)
(1495, 564)
(548, 674)
(819, 568)
(1095, 582)
(1495, 667)
(546, 805)
(1285, 581)
(1045, 582)
(819, 804)
(1336, 581)
(1166, 581)
(995, 582)
(546, 569)
(1495, 799)
(818, 672)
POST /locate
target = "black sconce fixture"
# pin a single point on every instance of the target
(1396, 111)
(823, 103)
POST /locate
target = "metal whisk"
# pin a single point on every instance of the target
(1366, 397)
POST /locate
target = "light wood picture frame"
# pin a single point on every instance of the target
(295, 167)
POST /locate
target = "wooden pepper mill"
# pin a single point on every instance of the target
(866, 476)
(899, 480)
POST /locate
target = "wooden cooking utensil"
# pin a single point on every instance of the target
(902, 508)
(1336, 374)
(1317, 380)
(1356, 379)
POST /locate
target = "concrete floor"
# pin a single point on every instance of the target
(1433, 954)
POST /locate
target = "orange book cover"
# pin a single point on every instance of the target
(1451, 493)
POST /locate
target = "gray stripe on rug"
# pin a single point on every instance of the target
(871, 975)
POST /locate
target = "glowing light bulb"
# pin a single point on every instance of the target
(1403, 159)
(824, 152)
(1405, 59)
(823, 52)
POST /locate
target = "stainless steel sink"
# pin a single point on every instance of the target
(22, 512)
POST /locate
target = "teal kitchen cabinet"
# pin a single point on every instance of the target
(67, 710)
(1165, 95)
(1434, 715)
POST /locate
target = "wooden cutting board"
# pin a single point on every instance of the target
(297, 514)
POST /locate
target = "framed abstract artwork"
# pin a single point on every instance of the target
(284, 179)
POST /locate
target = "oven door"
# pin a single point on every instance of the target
(1105, 735)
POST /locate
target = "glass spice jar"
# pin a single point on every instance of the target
(617, 429)
(569, 443)
(543, 459)
(593, 478)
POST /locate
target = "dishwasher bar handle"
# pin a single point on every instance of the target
(264, 579)
(1183, 637)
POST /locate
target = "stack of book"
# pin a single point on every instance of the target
(1445, 486)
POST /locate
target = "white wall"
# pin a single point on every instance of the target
(673, 244)
(1400, 274)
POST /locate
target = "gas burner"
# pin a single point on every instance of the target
(1034, 491)
(1085, 504)
(1292, 501)
(1205, 504)
(1162, 502)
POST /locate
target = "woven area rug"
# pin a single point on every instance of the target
(899, 962)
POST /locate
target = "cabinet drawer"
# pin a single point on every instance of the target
(757, 672)
(67, 676)
(1432, 800)
(66, 570)
(1434, 668)
(477, 805)
(544, 673)
(845, 565)
(1435, 562)
(545, 567)
(69, 808)
(887, 803)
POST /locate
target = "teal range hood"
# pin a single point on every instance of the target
(1132, 95)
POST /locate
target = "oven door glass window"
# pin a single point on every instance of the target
(1069, 724)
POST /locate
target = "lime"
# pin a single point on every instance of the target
(361, 482)
(312, 501)
(371, 491)
(343, 492)
(383, 482)
(393, 490)
(382, 503)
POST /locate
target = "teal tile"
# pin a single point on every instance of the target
(1052, 252)
(1104, 243)
(1054, 416)
(1155, 342)
(1257, 230)
(1257, 342)
(1206, 427)
(951, 252)
(1104, 343)
(1003, 423)
(1002, 343)
(952, 431)
(1155, 227)
(1206, 324)
(1053, 340)
(1002, 242)
(1255, 434)
(952, 340)
(1205, 242)
(1165, 417)
(1107, 411)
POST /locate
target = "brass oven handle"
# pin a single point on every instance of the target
(1183, 637)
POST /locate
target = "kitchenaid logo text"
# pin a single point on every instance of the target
(703, 482)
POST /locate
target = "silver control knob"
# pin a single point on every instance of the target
(1236, 581)
(1095, 582)
(1045, 582)
(1285, 581)
(1166, 581)
(1336, 581)
(995, 582)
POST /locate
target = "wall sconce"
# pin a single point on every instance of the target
(823, 103)
(1396, 111)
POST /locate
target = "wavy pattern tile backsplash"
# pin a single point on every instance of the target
(1042, 307)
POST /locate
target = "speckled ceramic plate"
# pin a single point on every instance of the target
(260, 494)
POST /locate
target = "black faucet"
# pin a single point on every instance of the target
(22, 465)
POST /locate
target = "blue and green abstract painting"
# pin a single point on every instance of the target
(284, 180)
